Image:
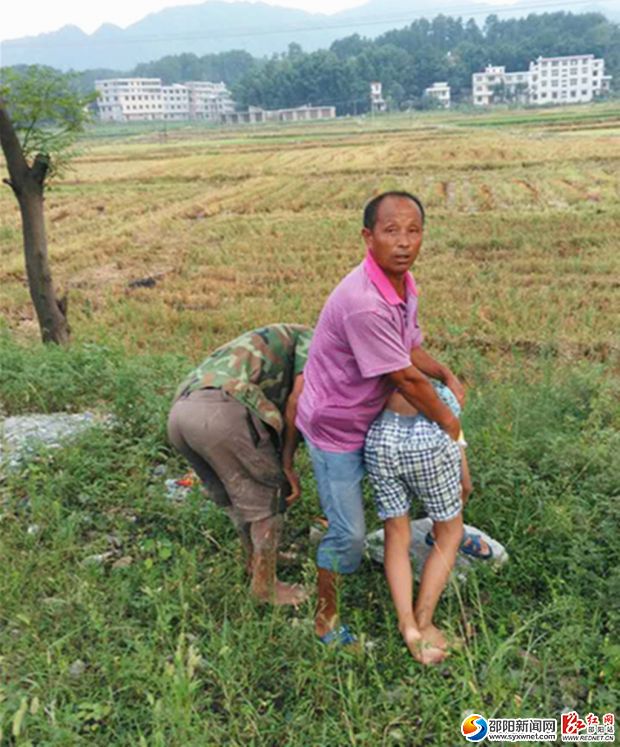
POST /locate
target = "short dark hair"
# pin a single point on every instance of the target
(372, 208)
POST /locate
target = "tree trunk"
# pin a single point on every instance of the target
(28, 184)
(51, 312)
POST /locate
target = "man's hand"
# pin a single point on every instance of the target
(295, 493)
(418, 391)
(291, 439)
(453, 428)
(435, 370)
(455, 386)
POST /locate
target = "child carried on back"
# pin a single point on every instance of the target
(407, 455)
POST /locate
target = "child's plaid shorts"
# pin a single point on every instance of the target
(410, 456)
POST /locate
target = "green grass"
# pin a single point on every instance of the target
(170, 650)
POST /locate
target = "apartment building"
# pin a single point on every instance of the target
(176, 102)
(549, 80)
(439, 91)
(567, 80)
(143, 99)
(496, 84)
(129, 99)
(209, 100)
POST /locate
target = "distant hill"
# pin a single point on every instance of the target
(258, 28)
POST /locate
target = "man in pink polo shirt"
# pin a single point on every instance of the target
(367, 343)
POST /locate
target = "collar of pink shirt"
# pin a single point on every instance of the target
(380, 280)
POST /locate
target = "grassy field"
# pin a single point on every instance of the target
(519, 283)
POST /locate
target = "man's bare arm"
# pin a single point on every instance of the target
(419, 392)
(291, 439)
(431, 367)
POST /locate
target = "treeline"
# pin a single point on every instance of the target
(406, 61)
(229, 67)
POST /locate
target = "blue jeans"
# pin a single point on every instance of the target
(339, 480)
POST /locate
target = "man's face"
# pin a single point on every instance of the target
(397, 236)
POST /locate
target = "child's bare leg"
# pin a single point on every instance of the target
(265, 584)
(466, 490)
(400, 581)
(448, 536)
(466, 483)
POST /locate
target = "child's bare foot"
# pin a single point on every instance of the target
(283, 594)
(433, 636)
(422, 650)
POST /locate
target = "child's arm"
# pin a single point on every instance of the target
(429, 366)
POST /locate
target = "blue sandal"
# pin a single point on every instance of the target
(340, 636)
(470, 545)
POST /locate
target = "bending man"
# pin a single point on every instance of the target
(233, 419)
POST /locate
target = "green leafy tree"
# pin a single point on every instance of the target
(228, 67)
(41, 115)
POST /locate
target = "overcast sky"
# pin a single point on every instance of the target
(32, 17)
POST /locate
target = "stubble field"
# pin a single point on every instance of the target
(519, 281)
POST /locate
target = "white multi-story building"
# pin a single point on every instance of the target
(549, 80)
(377, 102)
(567, 80)
(176, 102)
(496, 84)
(439, 91)
(134, 99)
(209, 100)
(129, 99)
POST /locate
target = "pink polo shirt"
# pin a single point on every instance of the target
(364, 332)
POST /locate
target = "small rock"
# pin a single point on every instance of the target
(114, 540)
(78, 668)
(98, 559)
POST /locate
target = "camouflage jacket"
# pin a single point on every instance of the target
(258, 369)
